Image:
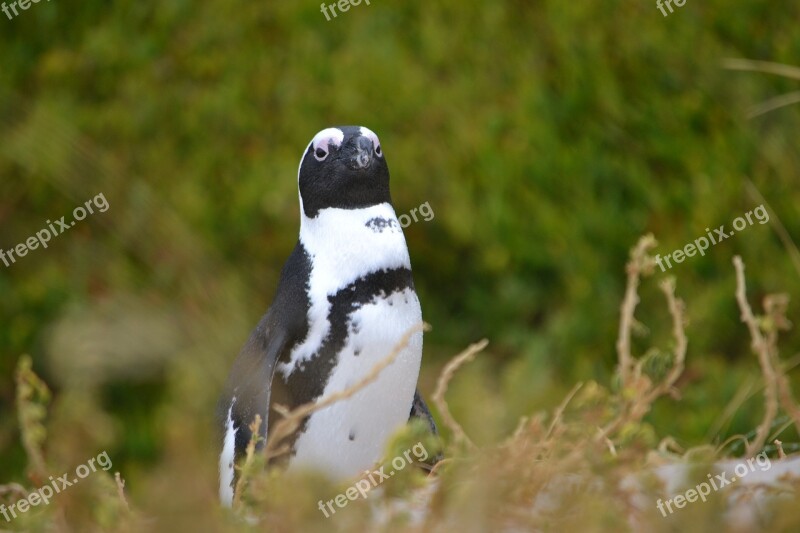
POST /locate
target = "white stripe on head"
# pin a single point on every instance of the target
(326, 137)
(368, 133)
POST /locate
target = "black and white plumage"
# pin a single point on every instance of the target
(345, 298)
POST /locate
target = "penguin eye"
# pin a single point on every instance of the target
(321, 153)
(321, 143)
(376, 143)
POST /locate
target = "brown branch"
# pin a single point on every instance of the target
(13, 489)
(647, 393)
(638, 264)
(32, 397)
(441, 389)
(121, 491)
(777, 225)
(559, 412)
(761, 348)
(769, 67)
(248, 461)
(775, 306)
(779, 445)
(676, 310)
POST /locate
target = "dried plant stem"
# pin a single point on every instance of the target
(15, 489)
(769, 67)
(441, 388)
(777, 391)
(248, 461)
(121, 491)
(292, 419)
(775, 306)
(786, 399)
(676, 311)
(630, 372)
(761, 348)
(774, 103)
(775, 222)
(637, 264)
(32, 395)
(779, 445)
(559, 412)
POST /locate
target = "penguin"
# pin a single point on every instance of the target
(345, 298)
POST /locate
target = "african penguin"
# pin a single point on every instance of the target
(344, 300)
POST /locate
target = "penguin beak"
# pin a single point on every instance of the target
(361, 156)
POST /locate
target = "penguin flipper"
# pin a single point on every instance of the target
(246, 395)
(419, 409)
(250, 383)
(250, 388)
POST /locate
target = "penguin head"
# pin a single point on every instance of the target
(343, 167)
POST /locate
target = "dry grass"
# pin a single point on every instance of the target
(562, 470)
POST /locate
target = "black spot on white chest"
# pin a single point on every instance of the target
(381, 224)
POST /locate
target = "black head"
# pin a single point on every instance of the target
(343, 167)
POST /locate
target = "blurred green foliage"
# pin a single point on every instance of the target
(547, 137)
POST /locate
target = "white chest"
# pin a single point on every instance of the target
(344, 245)
(349, 436)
